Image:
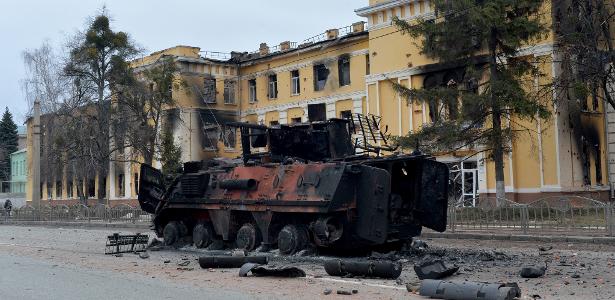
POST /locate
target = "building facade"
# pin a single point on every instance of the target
(19, 172)
(349, 70)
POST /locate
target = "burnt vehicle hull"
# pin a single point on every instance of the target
(347, 202)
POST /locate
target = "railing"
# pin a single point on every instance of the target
(562, 215)
(77, 213)
(216, 55)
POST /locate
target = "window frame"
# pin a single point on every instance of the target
(209, 96)
(316, 70)
(343, 67)
(252, 91)
(295, 83)
(272, 86)
(229, 92)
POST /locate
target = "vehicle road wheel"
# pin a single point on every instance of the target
(248, 237)
(171, 233)
(292, 239)
(202, 235)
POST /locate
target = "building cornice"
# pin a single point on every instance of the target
(303, 103)
(368, 10)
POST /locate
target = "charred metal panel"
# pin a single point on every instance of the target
(373, 190)
(194, 185)
(151, 188)
(431, 207)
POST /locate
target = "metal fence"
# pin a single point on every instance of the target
(550, 215)
(76, 213)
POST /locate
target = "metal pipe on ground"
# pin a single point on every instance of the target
(381, 269)
(468, 290)
(230, 261)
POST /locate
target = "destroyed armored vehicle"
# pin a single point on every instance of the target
(323, 184)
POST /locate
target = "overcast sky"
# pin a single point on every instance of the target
(155, 24)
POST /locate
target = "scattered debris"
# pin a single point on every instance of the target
(418, 245)
(413, 287)
(344, 292)
(545, 248)
(230, 261)
(434, 269)
(183, 263)
(381, 269)
(119, 255)
(327, 292)
(468, 290)
(259, 270)
(575, 275)
(117, 243)
(166, 261)
(185, 269)
(239, 252)
(143, 255)
(532, 272)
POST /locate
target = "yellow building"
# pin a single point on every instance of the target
(349, 70)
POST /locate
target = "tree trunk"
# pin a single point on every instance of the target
(496, 140)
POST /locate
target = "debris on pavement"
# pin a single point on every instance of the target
(418, 245)
(117, 243)
(207, 262)
(183, 263)
(344, 292)
(468, 290)
(261, 271)
(545, 248)
(532, 272)
(434, 269)
(327, 292)
(381, 269)
(143, 255)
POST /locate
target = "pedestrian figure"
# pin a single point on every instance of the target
(8, 205)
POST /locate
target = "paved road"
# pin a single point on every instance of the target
(68, 263)
(29, 278)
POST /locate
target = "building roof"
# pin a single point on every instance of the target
(20, 151)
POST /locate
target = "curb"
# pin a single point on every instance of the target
(78, 224)
(520, 237)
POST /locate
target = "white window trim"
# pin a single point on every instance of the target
(272, 88)
(295, 90)
(252, 93)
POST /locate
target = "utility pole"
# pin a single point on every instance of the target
(36, 156)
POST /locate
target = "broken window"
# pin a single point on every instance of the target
(367, 64)
(252, 90)
(136, 177)
(295, 120)
(209, 90)
(320, 77)
(210, 136)
(229, 92)
(230, 137)
(273, 87)
(343, 68)
(317, 112)
(295, 88)
(274, 123)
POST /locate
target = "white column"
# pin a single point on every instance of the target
(330, 110)
(283, 117)
(305, 117)
(111, 179)
(261, 118)
(127, 175)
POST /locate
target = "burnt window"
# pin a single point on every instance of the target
(273, 87)
(210, 136)
(136, 183)
(274, 123)
(49, 191)
(91, 188)
(295, 84)
(346, 114)
(252, 90)
(367, 64)
(69, 189)
(320, 77)
(229, 92)
(230, 137)
(598, 163)
(343, 68)
(317, 112)
(209, 90)
(58, 189)
(295, 120)
(120, 185)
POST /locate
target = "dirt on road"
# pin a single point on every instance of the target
(574, 271)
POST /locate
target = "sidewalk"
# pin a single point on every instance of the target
(144, 226)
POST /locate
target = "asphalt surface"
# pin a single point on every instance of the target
(28, 278)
